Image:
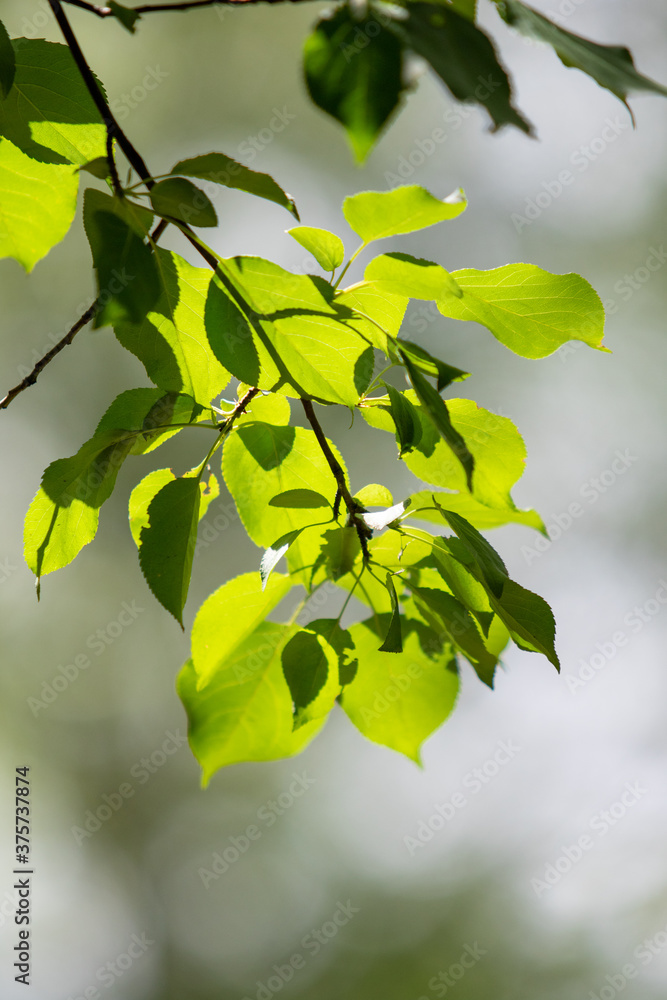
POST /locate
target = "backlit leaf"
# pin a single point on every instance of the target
(221, 169)
(326, 247)
(374, 215)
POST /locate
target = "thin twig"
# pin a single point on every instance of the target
(354, 509)
(49, 356)
(153, 8)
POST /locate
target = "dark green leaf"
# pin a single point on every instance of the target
(221, 169)
(445, 614)
(99, 167)
(7, 62)
(489, 563)
(340, 550)
(610, 65)
(341, 641)
(127, 17)
(127, 279)
(300, 498)
(529, 619)
(167, 544)
(353, 68)
(178, 198)
(310, 666)
(429, 365)
(437, 412)
(406, 418)
(464, 58)
(393, 640)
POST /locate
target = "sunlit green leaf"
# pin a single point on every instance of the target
(300, 498)
(529, 310)
(178, 198)
(326, 247)
(374, 495)
(374, 215)
(147, 410)
(402, 274)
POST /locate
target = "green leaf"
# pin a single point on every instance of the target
(127, 278)
(467, 8)
(529, 619)
(393, 640)
(428, 365)
(49, 113)
(64, 514)
(127, 17)
(477, 513)
(399, 699)
(278, 331)
(406, 419)
(178, 198)
(339, 551)
(37, 205)
(438, 413)
(7, 62)
(310, 666)
(410, 276)
(341, 641)
(358, 84)
(135, 216)
(463, 56)
(374, 215)
(228, 617)
(171, 341)
(326, 247)
(141, 498)
(167, 543)
(610, 65)
(221, 169)
(527, 309)
(445, 614)
(489, 564)
(148, 409)
(245, 711)
(99, 167)
(374, 495)
(300, 498)
(453, 563)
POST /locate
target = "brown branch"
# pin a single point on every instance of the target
(354, 509)
(152, 8)
(49, 356)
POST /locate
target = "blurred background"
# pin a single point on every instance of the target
(550, 881)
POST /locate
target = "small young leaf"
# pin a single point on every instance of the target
(610, 65)
(326, 247)
(398, 700)
(393, 640)
(359, 87)
(223, 170)
(127, 17)
(527, 309)
(7, 62)
(99, 167)
(299, 499)
(178, 198)
(274, 554)
(310, 666)
(406, 418)
(229, 616)
(413, 277)
(374, 495)
(167, 544)
(463, 56)
(374, 215)
(437, 412)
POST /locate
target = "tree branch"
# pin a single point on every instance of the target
(150, 8)
(354, 509)
(49, 356)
